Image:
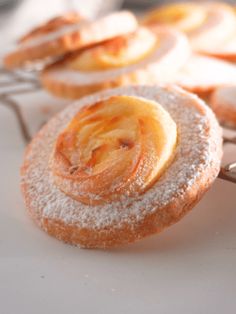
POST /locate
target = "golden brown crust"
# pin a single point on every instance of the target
(133, 229)
(71, 37)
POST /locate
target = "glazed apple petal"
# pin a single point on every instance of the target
(115, 53)
(116, 147)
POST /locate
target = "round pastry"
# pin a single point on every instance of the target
(202, 74)
(121, 164)
(206, 25)
(70, 37)
(140, 57)
(223, 103)
(226, 51)
(52, 25)
(184, 16)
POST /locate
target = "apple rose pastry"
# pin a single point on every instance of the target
(226, 50)
(59, 37)
(223, 103)
(184, 16)
(120, 165)
(52, 25)
(111, 149)
(206, 25)
(139, 57)
(202, 74)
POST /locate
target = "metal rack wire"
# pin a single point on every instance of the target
(16, 85)
(228, 172)
(21, 82)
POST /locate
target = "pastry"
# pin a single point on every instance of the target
(202, 74)
(52, 25)
(140, 57)
(183, 16)
(223, 103)
(226, 50)
(70, 38)
(120, 165)
(207, 25)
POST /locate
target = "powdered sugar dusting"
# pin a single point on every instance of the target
(198, 143)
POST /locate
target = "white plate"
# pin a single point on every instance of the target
(189, 268)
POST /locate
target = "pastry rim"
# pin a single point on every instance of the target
(71, 37)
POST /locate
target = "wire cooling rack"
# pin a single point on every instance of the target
(23, 82)
(16, 83)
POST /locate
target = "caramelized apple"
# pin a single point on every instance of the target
(184, 16)
(117, 52)
(119, 146)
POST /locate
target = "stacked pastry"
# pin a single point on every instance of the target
(109, 52)
(125, 162)
(88, 56)
(210, 71)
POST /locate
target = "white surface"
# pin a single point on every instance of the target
(189, 268)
